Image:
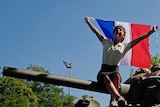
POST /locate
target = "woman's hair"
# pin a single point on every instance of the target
(119, 26)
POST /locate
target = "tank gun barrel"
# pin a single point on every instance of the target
(59, 80)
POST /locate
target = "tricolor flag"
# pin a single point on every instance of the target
(139, 55)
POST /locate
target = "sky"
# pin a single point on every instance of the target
(48, 32)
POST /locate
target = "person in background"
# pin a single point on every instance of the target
(155, 69)
(113, 52)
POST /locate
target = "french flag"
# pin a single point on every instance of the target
(139, 55)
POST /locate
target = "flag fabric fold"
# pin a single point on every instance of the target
(139, 55)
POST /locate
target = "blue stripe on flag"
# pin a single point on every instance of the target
(107, 27)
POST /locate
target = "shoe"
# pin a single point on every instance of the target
(113, 105)
(122, 103)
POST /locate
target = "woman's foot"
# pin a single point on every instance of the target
(112, 104)
(122, 102)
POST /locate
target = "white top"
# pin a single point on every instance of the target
(113, 54)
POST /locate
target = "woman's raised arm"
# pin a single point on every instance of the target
(94, 29)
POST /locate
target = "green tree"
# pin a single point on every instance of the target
(49, 95)
(15, 93)
(155, 59)
(0, 71)
(24, 93)
(86, 96)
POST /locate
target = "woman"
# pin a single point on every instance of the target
(113, 52)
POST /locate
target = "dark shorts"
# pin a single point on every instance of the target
(107, 70)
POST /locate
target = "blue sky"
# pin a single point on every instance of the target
(46, 32)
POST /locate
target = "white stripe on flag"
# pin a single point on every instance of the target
(126, 60)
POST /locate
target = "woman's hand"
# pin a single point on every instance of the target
(86, 19)
(155, 28)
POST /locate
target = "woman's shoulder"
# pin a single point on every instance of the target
(106, 40)
(125, 44)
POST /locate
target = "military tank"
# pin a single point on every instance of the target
(144, 88)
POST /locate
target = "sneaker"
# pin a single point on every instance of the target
(122, 103)
(113, 105)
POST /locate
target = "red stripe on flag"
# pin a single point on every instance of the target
(140, 53)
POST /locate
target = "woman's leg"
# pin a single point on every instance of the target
(116, 79)
(113, 87)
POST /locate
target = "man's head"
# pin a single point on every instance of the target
(155, 67)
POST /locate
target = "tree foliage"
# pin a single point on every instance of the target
(23, 93)
(155, 59)
(49, 94)
(86, 96)
(15, 93)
